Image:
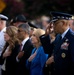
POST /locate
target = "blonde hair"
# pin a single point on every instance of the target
(12, 31)
(38, 33)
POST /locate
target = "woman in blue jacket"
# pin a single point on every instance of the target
(38, 58)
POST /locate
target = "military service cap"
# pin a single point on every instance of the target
(60, 15)
(20, 18)
(3, 17)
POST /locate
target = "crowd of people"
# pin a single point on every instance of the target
(27, 49)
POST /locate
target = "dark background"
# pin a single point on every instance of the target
(34, 8)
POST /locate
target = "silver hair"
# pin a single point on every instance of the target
(25, 27)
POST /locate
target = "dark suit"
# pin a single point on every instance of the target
(22, 70)
(63, 54)
(11, 64)
(45, 40)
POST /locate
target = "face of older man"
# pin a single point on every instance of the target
(57, 27)
(60, 26)
(2, 24)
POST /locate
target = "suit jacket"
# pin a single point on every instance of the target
(48, 47)
(11, 64)
(22, 70)
(64, 55)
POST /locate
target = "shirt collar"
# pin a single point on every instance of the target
(64, 33)
(3, 30)
(24, 41)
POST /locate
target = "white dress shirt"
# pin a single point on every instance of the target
(23, 43)
(63, 35)
(2, 41)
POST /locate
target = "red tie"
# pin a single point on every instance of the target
(21, 47)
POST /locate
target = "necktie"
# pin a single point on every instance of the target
(60, 37)
(21, 47)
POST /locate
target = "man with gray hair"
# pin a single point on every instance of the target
(25, 50)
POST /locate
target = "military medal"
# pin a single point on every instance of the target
(65, 45)
(63, 55)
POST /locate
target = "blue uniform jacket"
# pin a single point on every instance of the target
(63, 51)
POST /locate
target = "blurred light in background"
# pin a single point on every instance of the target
(2, 5)
(34, 8)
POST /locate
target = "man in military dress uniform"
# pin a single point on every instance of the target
(63, 46)
(3, 20)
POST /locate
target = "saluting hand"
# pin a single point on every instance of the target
(49, 29)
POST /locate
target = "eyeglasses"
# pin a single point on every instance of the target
(20, 30)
